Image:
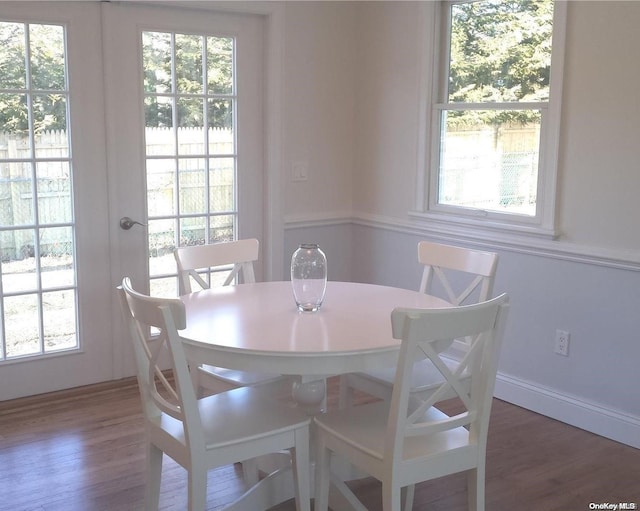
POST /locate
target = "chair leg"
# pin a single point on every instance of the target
(154, 476)
(194, 372)
(345, 396)
(250, 472)
(197, 488)
(300, 462)
(475, 488)
(391, 497)
(408, 495)
(323, 457)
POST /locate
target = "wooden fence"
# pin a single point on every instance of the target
(49, 183)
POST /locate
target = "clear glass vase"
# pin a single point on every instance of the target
(308, 277)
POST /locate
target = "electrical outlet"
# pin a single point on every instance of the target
(562, 342)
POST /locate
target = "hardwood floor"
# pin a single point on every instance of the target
(82, 450)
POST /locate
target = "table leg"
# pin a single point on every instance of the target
(309, 393)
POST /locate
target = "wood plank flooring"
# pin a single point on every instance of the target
(82, 450)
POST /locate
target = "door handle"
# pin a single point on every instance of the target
(127, 223)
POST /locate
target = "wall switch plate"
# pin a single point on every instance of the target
(299, 171)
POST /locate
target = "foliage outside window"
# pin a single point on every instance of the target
(492, 112)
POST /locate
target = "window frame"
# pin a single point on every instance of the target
(434, 77)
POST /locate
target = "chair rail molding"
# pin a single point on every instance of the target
(530, 245)
(619, 425)
(318, 220)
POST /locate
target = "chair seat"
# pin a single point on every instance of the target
(425, 375)
(407, 440)
(452, 268)
(232, 418)
(239, 425)
(238, 378)
(364, 427)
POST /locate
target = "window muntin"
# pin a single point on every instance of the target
(190, 103)
(490, 156)
(38, 291)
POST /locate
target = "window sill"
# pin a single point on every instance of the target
(481, 228)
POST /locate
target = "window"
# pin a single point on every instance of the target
(37, 230)
(191, 156)
(496, 114)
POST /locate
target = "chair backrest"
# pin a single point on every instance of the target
(447, 262)
(241, 254)
(159, 394)
(424, 333)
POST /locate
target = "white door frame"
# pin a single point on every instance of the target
(93, 361)
(90, 147)
(272, 189)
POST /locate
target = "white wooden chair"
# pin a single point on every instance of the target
(236, 258)
(408, 441)
(463, 276)
(214, 431)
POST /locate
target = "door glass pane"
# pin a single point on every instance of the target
(36, 206)
(220, 113)
(161, 186)
(220, 65)
(161, 242)
(156, 62)
(50, 125)
(58, 314)
(191, 193)
(13, 76)
(159, 134)
(221, 190)
(191, 130)
(56, 258)
(189, 63)
(14, 115)
(47, 52)
(22, 326)
(54, 192)
(192, 185)
(16, 184)
(221, 228)
(192, 230)
(19, 272)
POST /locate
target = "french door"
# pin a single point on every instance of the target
(160, 116)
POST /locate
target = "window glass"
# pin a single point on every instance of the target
(492, 109)
(500, 51)
(38, 293)
(191, 155)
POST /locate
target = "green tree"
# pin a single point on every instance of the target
(500, 52)
(47, 71)
(192, 67)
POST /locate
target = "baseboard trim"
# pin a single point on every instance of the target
(69, 394)
(570, 410)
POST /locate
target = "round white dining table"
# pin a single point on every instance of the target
(257, 327)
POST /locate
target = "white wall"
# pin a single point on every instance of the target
(319, 62)
(600, 166)
(586, 282)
